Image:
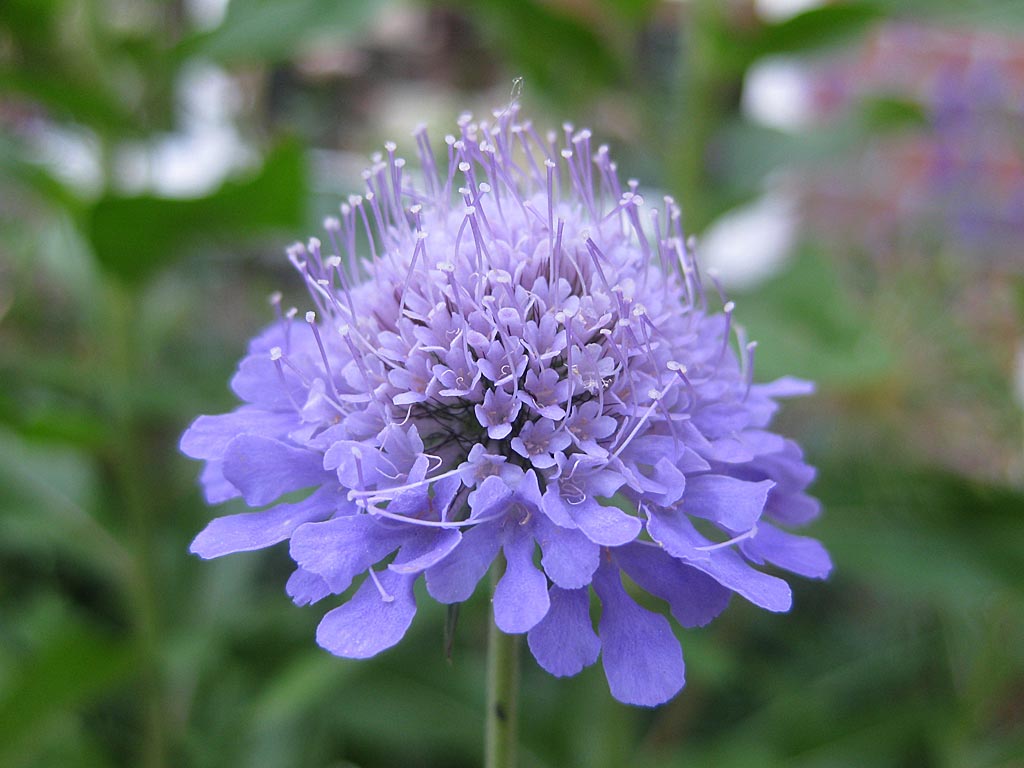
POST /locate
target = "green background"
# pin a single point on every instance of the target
(123, 311)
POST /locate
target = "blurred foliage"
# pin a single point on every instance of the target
(122, 309)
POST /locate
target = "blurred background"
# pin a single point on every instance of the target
(855, 171)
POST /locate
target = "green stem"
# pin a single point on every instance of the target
(502, 697)
(130, 473)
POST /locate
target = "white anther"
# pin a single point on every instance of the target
(311, 317)
(275, 353)
(729, 306)
(331, 224)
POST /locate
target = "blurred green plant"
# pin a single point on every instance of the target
(119, 310)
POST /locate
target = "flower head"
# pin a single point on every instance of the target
(526, 360)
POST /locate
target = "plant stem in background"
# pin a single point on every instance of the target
(502, 695)
(130, 472)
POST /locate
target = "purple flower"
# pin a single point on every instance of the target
(525, 362)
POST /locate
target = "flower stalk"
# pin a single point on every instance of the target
(501, 731)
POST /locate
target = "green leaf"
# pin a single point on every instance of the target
(269, 30)
(134, 236)
(74, 666)
(817, 28)
(85, 102)
(805, 324)
(556, 53)
(884, 113)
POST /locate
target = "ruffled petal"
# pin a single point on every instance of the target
(339, 550)
(676, 534)
(264, 469)
(455, 578)
(255, 530)
(370, 622)
(305, 588)
(607, 526)
(564, 642)
(425, 549)
(734, 504)
(569, 558)
(490, 497)
(798, 554)
(521, 596)
(693, 597)
(642, 658)
(208, 436)
(216, 489)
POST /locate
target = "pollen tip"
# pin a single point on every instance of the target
(311, 317)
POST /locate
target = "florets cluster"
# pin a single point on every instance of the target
(524, 361)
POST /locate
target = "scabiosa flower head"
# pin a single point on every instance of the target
(525, 361)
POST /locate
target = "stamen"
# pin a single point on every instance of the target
(734, 540)
(380, 588)
(311, 319)
(655, 396)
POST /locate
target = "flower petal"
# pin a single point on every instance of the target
(216, 489)
(569, 558)
(339, 550)
(455, 578)
(642, 658)
(255, 530)
(734, 504)
(608, 526)
(370, 623)
(676, 534)
(521, 596)
(798, 554)
(208, 436)
(305, 588)
(263, 468)
(693, 597)
(564, 642)
(425, 549)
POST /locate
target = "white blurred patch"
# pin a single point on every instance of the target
(746, 245)
(1018, 376)
(206, 14)
(777, 93)
(780, 10)
(70, 154)
(207, 149)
